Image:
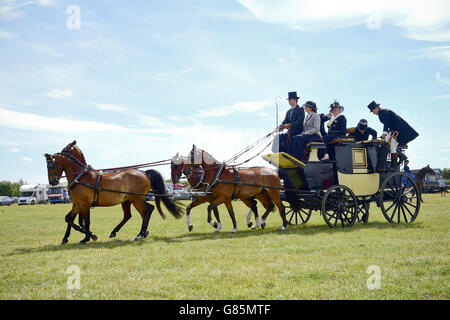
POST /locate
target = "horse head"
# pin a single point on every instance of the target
(54, 169)
(176, 167)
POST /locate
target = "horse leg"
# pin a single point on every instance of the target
(274, 195)
(231, 212)
(126, 207)
(145, 209)
(218, 224)
(87, 224)
(67, 234)
(193, 204)
(213, 205)
(253, 205)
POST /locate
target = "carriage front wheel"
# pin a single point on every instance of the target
(339, 207)
(399, 198)
(297, 216)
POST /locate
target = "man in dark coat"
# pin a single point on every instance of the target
(293, 122)
(362, 131)
(394, 123)
(336, 129)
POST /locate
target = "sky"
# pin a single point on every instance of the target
(138, 81)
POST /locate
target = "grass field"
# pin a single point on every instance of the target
(304, 262)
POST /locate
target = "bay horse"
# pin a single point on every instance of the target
(420, 177)
(90, 187)
(250, 183)
(195, 176)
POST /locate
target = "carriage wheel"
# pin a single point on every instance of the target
(339, 207)
(297, 216)
(400, 200)
(363, 212)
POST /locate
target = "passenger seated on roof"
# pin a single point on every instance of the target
(311, 131)
(362, 131)
(336, 129)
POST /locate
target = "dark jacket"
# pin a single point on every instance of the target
(363, 136)
(323, 118)
(295, 116)
(338, 126)
(392, 122)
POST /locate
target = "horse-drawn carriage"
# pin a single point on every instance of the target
(342, 190)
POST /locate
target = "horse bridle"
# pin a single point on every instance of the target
(51, 164)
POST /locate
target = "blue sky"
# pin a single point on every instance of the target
(142, 80)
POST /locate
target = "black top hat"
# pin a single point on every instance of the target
(362, 124)
(292, 95)
(311, 104)
(373, 105)
(336, 104)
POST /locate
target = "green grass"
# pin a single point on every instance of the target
(304, 262)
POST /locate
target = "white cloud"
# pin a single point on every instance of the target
(26, 159)
(244, 107)
(438, 52)
(14, 150)
(443, 81)
(442, 97)
(111, 107)
(5, 34)
(444, 150)
(59, 93)
(416, 17)
(441, 36)
(13, 8)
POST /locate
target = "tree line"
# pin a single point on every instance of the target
(10, 189)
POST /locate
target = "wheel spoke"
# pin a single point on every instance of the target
(409, 211)
(410, 204)
(404, 215)
(392, 216)
(390, 207)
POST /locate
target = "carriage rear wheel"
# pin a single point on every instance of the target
(363, 212)
(297, 216)
(339, 207)
(399, 198)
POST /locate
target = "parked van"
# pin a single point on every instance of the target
(58, 194)
(32, 194)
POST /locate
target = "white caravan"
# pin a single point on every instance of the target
(32, 194)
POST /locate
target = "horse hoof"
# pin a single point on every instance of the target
(191, 227)
(283, 228)
(215, 225)
(112, 235)
(250, 224)
(263, 225)
(145, 234)
(64, 241)
(94, 237)
(82, 242)
(138, 238)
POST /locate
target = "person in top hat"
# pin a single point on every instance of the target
(293, 122)
(311, 131)
(336, 129)
(394, 123)
(362, 131)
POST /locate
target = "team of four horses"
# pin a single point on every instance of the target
(129, 186)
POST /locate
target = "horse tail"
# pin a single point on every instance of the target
(159, 188)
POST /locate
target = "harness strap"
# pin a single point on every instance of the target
(97, 189)
(237, 184)
(216, 178)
